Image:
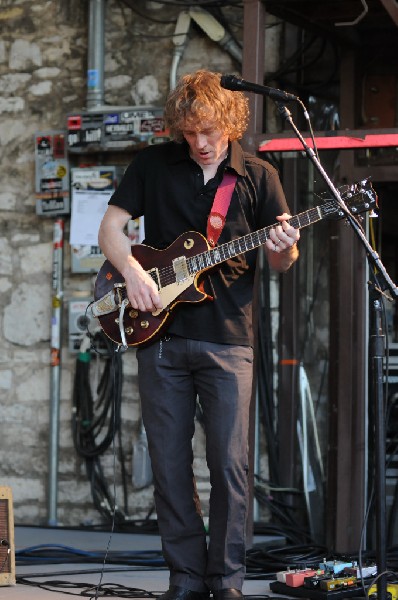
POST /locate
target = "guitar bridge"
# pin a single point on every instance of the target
(180, 269)
(110, 302)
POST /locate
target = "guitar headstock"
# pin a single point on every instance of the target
(359, 198)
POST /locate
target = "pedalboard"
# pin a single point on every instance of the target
(315, 593)
(333, 580)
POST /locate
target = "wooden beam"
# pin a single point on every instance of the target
(253, 67)
(253, 70)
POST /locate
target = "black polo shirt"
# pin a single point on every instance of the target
(166, 186)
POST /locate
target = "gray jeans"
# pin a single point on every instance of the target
(172, 373)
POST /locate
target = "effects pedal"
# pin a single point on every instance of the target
(336, 566)
(368, 571)
(337, 583)
(296, 578)
(314, 581)
(281, 575)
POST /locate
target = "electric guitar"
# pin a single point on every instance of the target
(176, 271)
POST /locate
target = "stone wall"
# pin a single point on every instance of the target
(43, 64)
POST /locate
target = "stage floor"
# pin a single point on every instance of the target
(81, 579)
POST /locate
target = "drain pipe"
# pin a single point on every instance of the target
(95, 62)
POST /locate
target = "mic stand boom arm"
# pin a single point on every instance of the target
(377, 345)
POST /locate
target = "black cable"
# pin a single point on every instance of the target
(96, 423)
(88, 590)
(273, 558)
(106, 590)
(92, 421)
(214, 9)
(283, 519)
(292, 64)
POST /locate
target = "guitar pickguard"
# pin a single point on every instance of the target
(169, 293)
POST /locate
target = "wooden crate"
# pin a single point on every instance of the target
(7, 548)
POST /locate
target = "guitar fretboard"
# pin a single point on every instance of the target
(253, 240)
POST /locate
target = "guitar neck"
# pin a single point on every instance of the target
(250, 241)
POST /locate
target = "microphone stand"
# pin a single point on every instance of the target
(376, 355)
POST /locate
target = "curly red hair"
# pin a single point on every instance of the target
(198, 97)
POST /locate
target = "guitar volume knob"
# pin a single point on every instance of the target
(133, 314)
(144, 324)
(129, 330)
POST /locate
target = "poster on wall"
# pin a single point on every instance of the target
(51, 173)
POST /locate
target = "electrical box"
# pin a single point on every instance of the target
(79, 320)
(51, 173)
(115, 128)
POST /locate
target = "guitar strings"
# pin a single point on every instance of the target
(213, 256)
(206, 259)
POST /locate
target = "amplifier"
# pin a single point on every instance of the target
(7, 549)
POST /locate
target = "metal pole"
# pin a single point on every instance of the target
(377, 345)
(95, 59)
(55, 374)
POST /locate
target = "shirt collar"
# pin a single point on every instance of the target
(236, 160)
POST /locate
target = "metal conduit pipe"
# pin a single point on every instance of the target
(95, 98)
(55, 377)
(95, 62)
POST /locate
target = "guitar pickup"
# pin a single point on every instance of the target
(180, 269)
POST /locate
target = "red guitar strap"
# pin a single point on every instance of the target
(222, 199)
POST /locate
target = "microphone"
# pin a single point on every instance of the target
(236, 84)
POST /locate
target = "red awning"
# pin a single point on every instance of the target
(330, 142)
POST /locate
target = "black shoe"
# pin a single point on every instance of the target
(176, 592)
(227, 594)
